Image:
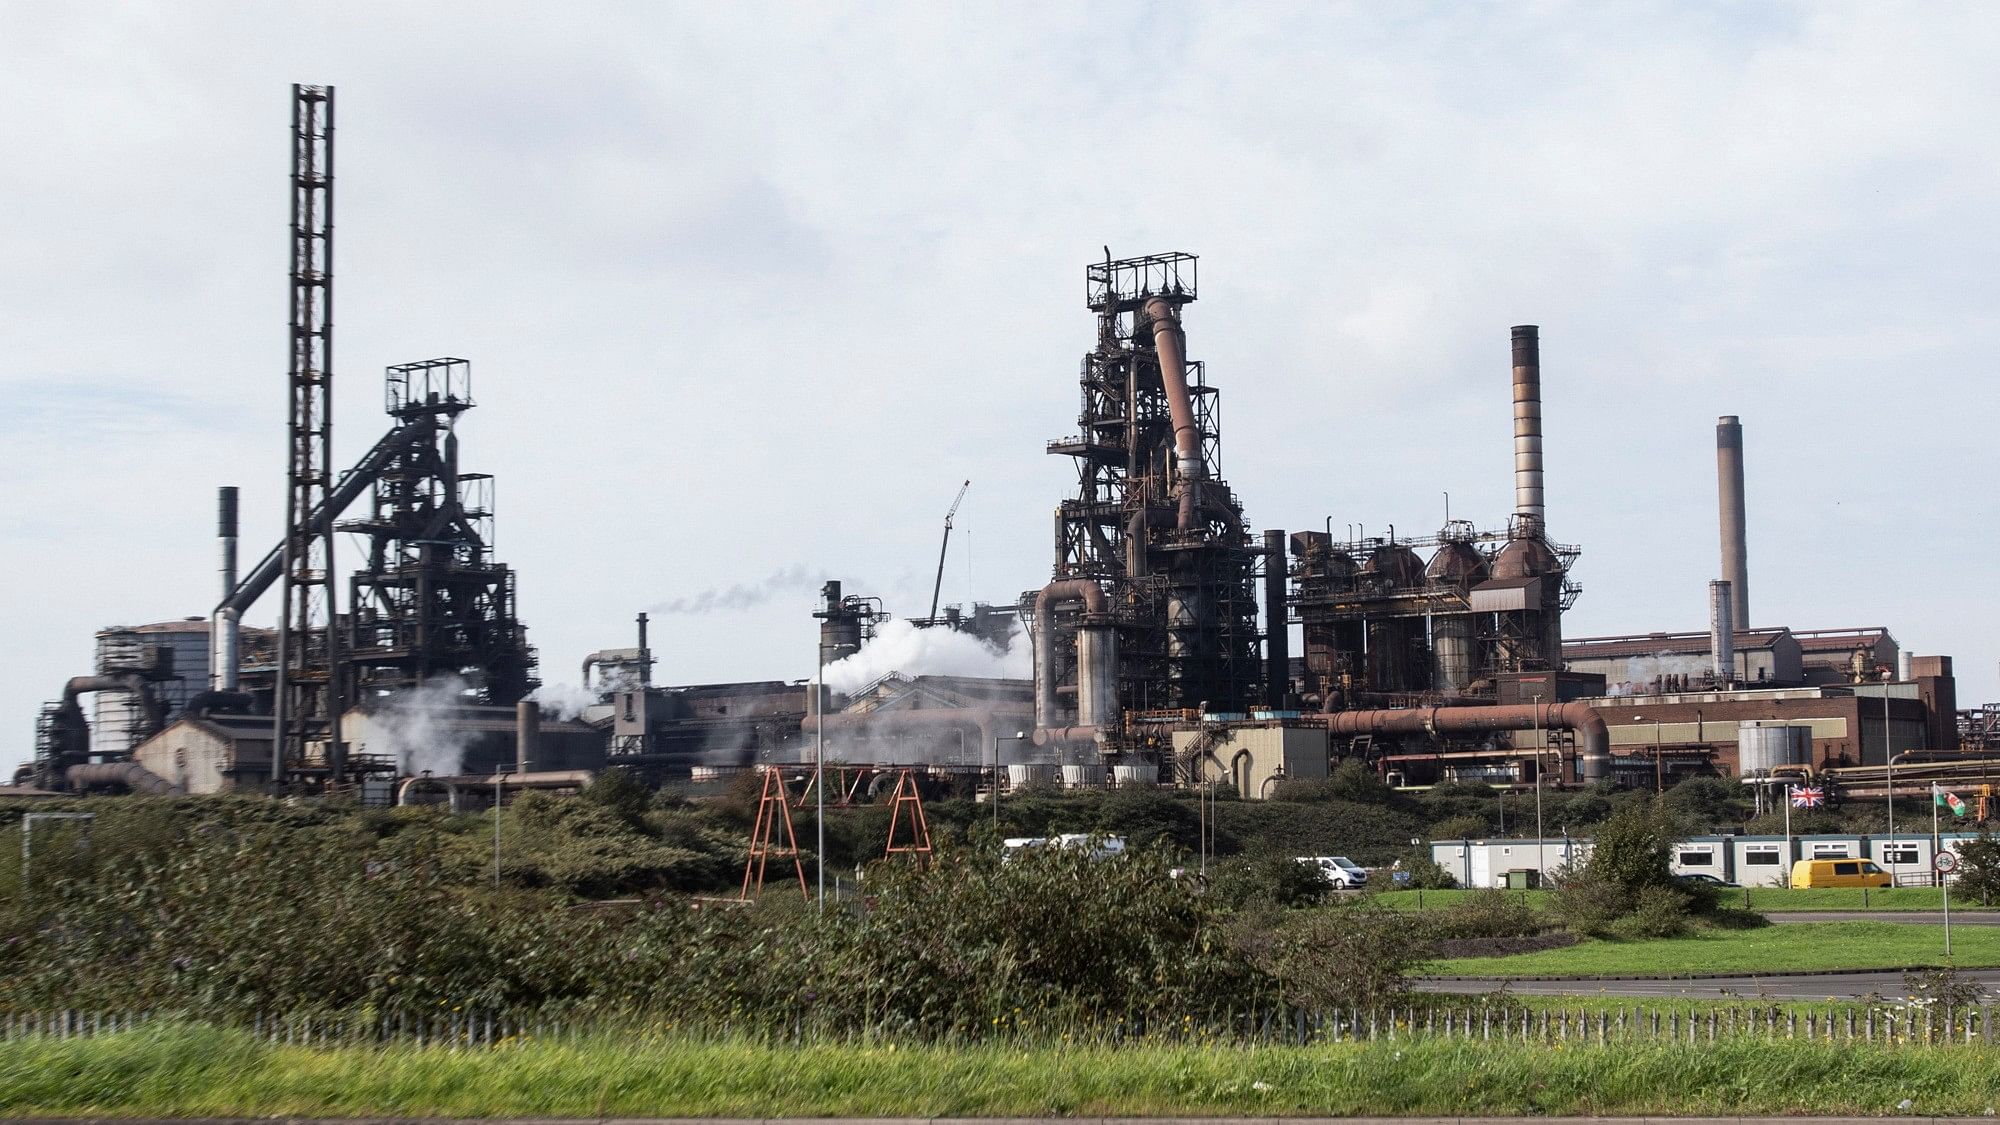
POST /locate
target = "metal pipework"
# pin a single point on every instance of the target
(1722, 631)
(1094, 696)
(134, 777)
(1528, 429)
(1729, 504)
(1593, 751)
(1277, 635)
(1169, 343)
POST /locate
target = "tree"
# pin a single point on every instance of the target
(1979, 866)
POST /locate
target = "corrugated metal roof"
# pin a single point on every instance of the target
(1671, 644)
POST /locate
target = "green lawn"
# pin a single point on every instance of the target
(1808, 946)
(1760, 899)
(194, 1071)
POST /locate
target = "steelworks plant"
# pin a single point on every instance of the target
(1159, 647)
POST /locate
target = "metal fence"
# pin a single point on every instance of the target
(1915, 1024)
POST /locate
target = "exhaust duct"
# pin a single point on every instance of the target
(1170, 343)
(224, 630)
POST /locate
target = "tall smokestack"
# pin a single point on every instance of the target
(1277, 640)
(527, 736)
(1528, 429)
(223, 633)
(1722, 631)
(1729, 494)
(645, 656)
(225, 503)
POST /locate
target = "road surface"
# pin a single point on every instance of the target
(1922, 917)
(1817, 986)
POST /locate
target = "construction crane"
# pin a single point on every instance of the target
(938, 587)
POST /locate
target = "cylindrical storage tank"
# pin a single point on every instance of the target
(1904, 663)
(1763, 746)
(528, 736)
(1030, 773)
(116, 718)
(1135, 774)
(1083, 777)
(1452, 652)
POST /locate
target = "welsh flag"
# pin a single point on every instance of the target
(1948, 799)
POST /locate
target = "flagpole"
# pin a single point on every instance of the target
(1789, 859)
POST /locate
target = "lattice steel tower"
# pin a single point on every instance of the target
(309, 698)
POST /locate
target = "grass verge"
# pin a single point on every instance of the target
(1759, 899)
(1806, 947)
(195, 1071)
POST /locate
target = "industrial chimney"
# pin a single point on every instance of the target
(1729, 493)
(1722, 631)
(224, 629)
(1528, 430)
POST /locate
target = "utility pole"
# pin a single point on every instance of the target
(309, 700)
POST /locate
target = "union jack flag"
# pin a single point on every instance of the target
(1807, 796)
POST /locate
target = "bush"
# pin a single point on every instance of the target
(1979, 867)
(1425, 873)
(1626, 887)
(1357, 955)
(1278, 881)
(1483, 914)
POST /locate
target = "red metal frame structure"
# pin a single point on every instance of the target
(772, 810)
(908, 798)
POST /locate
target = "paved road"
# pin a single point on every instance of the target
(1082, 1120)
(1929, 917)
(1009, 1121)
(1819, 986)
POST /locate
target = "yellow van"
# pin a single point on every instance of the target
(1838, 873)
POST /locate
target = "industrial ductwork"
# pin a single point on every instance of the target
(1528, 510)
(976, 721)
(1594, 738)
(1277, 635)
(224, 641)
(1096, 659)
(1170, 344)
(130, 776)
(1729, 505)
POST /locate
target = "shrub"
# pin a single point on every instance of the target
(1979, 867)
(1424, 871)
(1358, 955)
(1626, 886)
(1279, 881)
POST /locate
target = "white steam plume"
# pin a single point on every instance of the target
(414, 728)
(564, 701)
(899, 646)
(1641, 671)
(741, 595)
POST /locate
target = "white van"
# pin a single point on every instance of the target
(1339, 871)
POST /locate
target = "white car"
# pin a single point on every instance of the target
(1339, 871)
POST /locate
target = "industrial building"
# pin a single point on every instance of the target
(1159, 642)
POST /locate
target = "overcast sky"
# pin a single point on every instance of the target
(748, 290)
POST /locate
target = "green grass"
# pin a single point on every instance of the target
(1805, 947)
(1849, 898)
(193, 1071)
(1760, 899)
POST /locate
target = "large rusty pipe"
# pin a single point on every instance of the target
(1593, 753)
(1061, 590)
(1528, 509)
(1169, 343)
(134, 777)
(1729, 503)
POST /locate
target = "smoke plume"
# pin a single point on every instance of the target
(414, 727)
(741, 595)
(899, 646)
(564, 701)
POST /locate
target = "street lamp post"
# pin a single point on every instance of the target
(1017, 736)
(1541, 862)
(1889, 763)
(819, 771)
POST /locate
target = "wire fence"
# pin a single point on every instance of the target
(1917, 1024)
